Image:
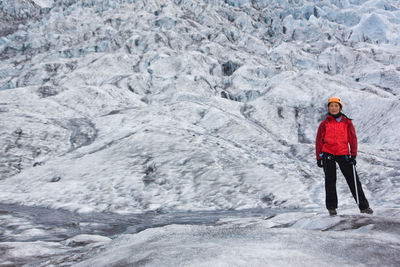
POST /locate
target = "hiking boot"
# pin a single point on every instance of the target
(367, 211)
(332, 212)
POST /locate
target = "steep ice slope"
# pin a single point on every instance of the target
(130, 106)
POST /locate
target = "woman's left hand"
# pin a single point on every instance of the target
(352, 160)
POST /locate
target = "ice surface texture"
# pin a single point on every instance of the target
(132, 106)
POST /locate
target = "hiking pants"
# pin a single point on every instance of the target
(331, 200)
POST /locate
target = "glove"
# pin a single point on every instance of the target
(320, 163)
(352, 160)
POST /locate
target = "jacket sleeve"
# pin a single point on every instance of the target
(320, 140)
(352, 139)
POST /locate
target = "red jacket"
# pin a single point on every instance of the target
(335, 137)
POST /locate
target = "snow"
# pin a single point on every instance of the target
(130, 107)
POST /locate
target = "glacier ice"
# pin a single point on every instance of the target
(157, 106)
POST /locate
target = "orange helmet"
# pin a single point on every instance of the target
(335, 99)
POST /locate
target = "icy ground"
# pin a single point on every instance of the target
(44, 237)
(128, 107)
(292, 239)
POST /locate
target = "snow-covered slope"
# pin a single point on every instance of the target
(131, 106)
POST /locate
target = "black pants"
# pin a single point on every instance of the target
(331, 199)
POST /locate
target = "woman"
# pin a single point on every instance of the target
(335, 135)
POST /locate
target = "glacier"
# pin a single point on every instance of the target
(134, 107)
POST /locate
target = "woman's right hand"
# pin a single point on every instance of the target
(320, 163)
